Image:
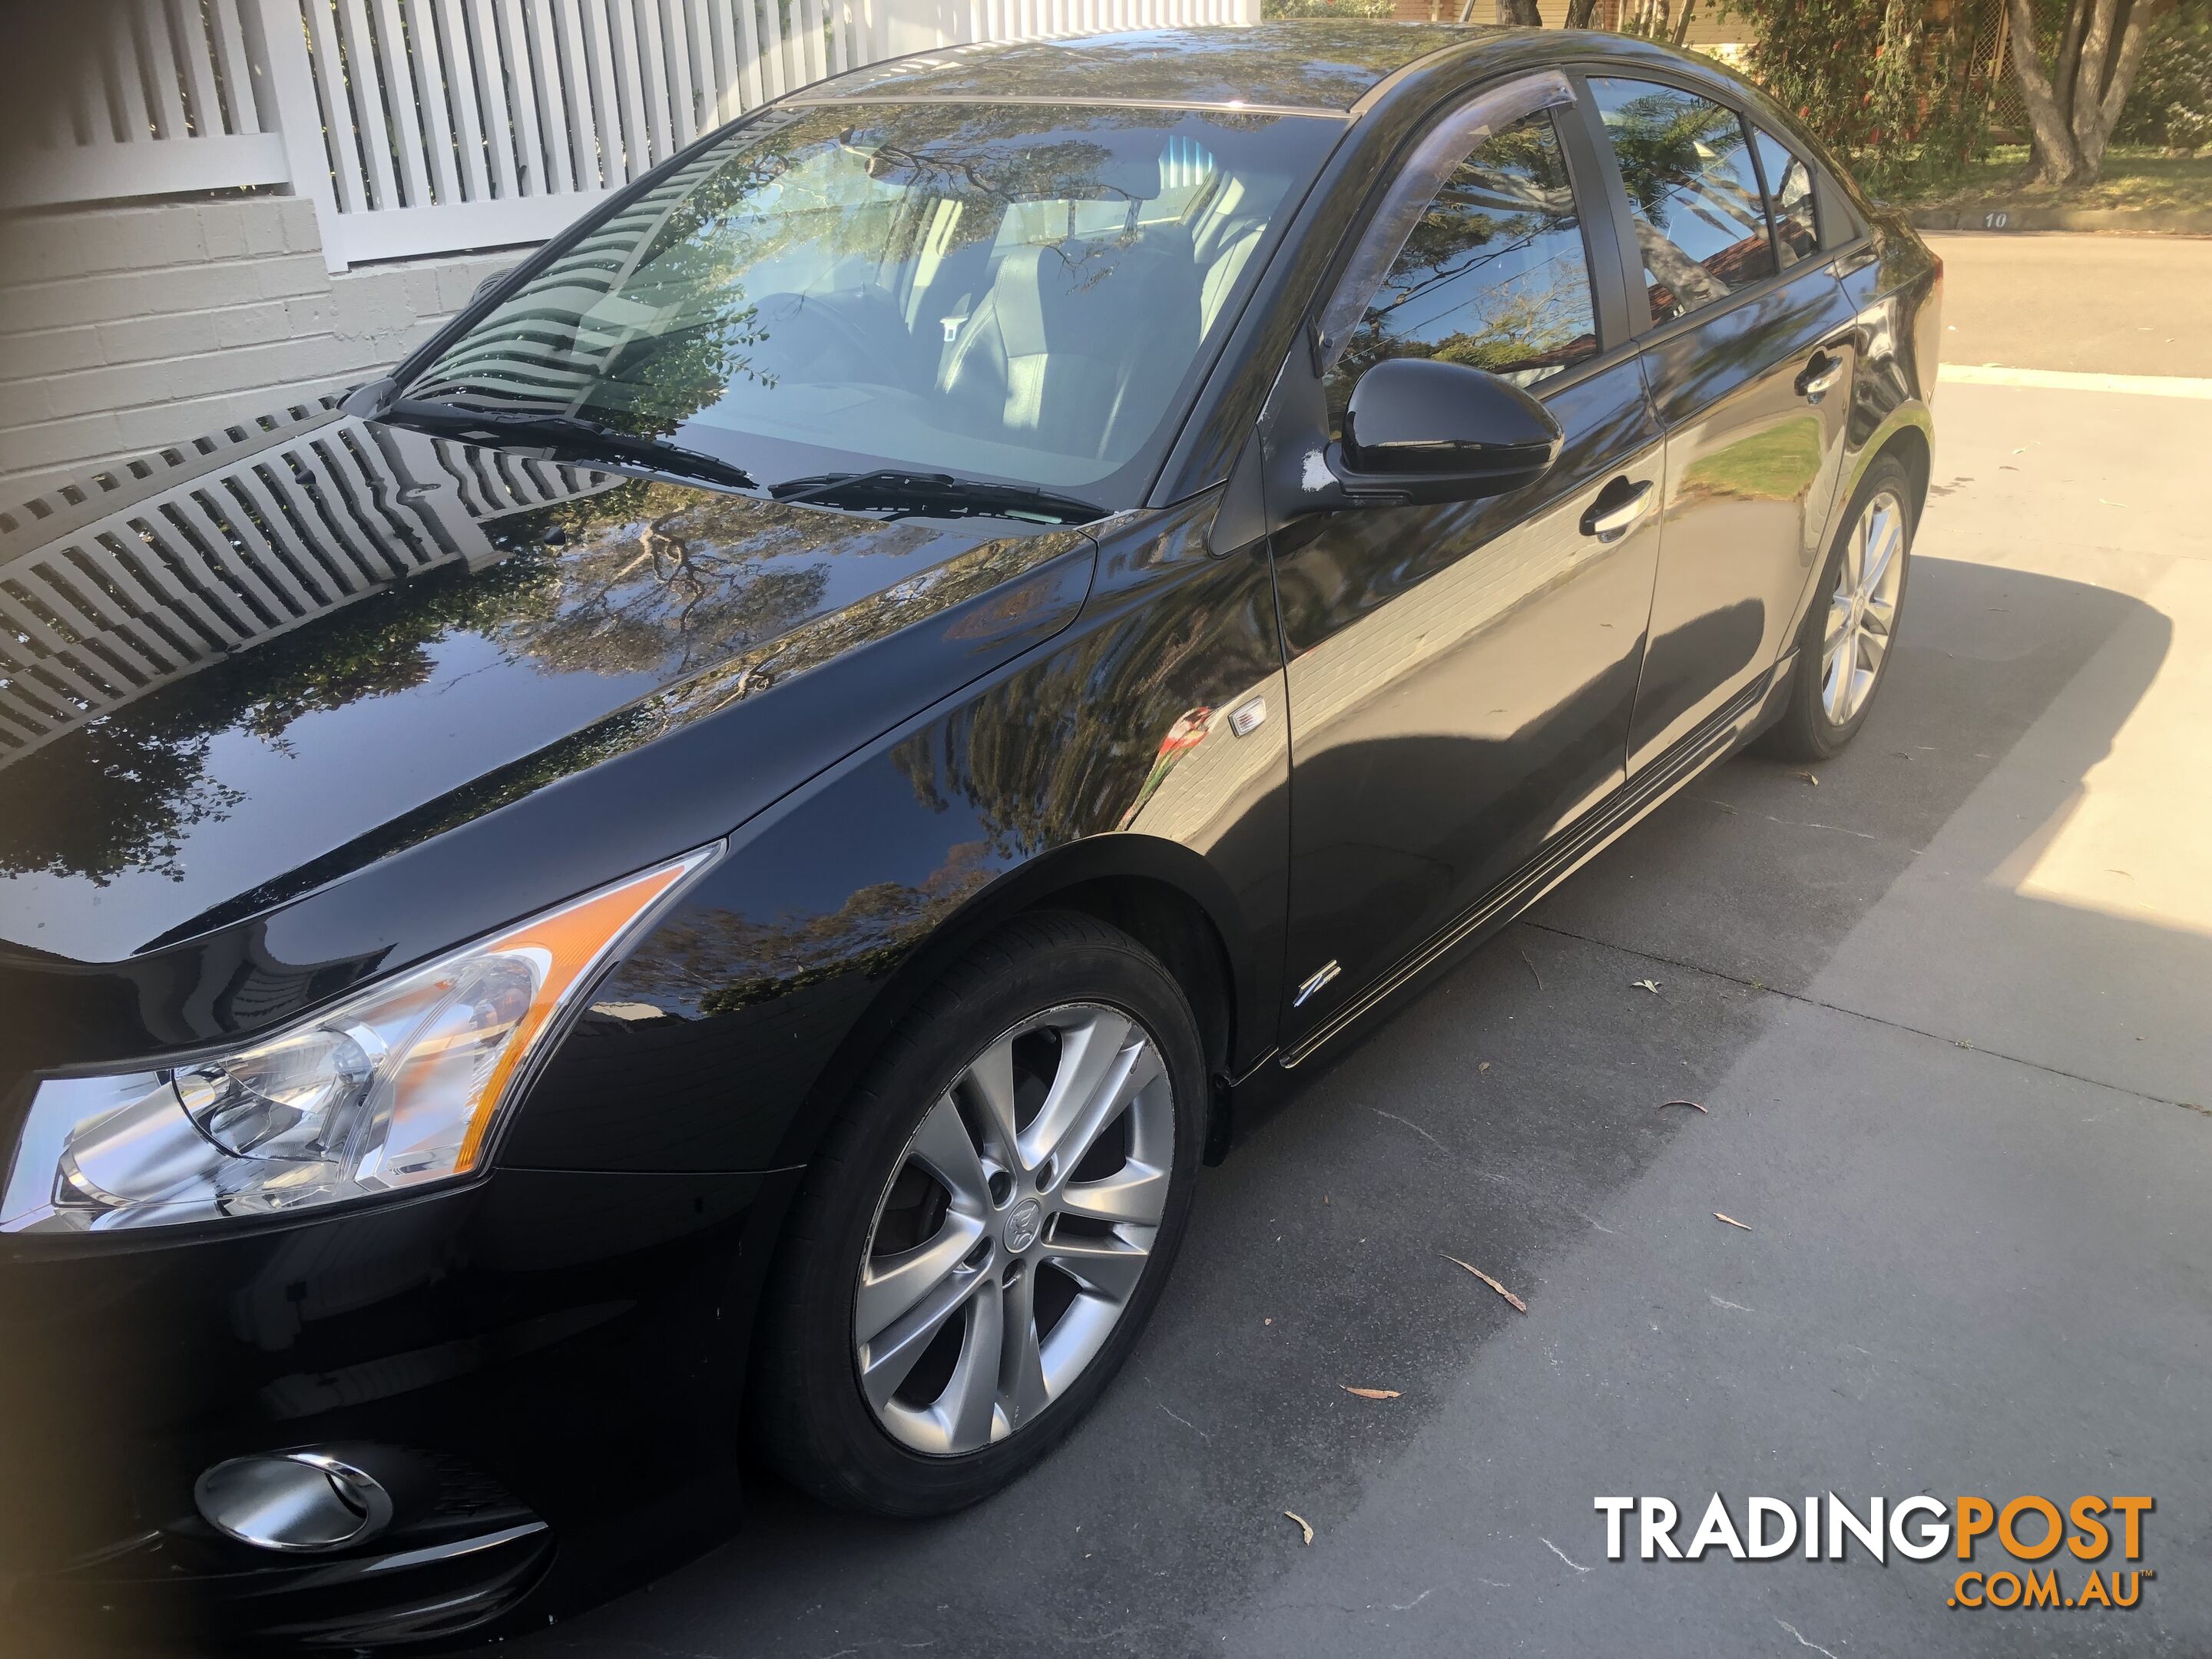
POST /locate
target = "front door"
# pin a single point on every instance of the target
(1750, 368)
(1461, 677)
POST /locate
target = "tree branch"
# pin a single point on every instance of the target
(2076, 24)
(2143, 17)
(2086, 95)
(2056, 160)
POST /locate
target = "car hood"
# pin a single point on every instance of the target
(274, 659)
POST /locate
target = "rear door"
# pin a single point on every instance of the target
(1749, 363)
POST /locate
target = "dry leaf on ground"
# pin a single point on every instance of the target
(1371, 1394)
(1731, 1221)
(1664, 1104)
(1651, 984)
(1517, 1303)
(1808, 778)
(1304, 1526)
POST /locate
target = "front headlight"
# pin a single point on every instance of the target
(397, 1086)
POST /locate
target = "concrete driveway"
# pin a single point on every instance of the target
(1950, 1011)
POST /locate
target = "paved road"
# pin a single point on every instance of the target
(1948, 1009)
(2115, 305)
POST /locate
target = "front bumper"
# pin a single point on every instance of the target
(553, 1362)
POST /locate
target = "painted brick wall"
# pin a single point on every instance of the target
(126, 329)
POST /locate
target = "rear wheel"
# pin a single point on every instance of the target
(988, 1224)
(1844, 648)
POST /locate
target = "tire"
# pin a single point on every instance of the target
(860, 1397)
(1823, 715)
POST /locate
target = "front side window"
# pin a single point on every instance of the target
(1693, 193)
(1492, 274)
(1004, 290)
(1789, 199)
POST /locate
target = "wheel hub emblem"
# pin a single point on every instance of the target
(1024, 1224)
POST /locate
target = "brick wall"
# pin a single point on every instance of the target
(126, 329)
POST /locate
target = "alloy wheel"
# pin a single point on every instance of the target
(1014, 1229)
(1862, 610)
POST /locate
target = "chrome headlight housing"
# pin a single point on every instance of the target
(395, 1087)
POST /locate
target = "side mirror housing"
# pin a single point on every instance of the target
(1420, 430)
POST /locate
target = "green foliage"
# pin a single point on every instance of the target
(1325, 8)
(1900, 109)
(2172, 101)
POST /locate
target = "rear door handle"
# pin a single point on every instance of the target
(1617, 507)
(1820, 375)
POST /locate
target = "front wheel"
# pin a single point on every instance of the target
(1843, 649)
(987, 1226)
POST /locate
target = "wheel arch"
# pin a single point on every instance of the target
(1159, 892)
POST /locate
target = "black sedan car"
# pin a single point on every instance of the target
(707, 860)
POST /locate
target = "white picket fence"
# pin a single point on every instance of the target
(428, 126)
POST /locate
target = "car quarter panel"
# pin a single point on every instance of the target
(1894, 286)
(725, 1038)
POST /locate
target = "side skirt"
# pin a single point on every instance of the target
(1736, 721)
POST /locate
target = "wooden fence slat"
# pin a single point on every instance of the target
(190, 34)
(576, 96)
(548, 110)
(817, 55)
(240, 108)
(361, 79)
(406, 124)
(157, 58)
(656, 73)
(426, 55)
(629, 91)
(126, 91)
(747, 44)
(488, 63)
(606, 100)
(324, 69)
(462, 91)
(683, 82)
(773, 78)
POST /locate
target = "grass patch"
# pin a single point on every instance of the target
(2136, 176)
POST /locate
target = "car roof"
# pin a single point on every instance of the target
(1322, 67)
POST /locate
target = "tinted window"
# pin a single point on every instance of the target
(1492, 274)
(1789, 199)
(1014, 290)
(1692, 190)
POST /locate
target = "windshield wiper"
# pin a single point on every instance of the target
(574, 437)
(905, 492)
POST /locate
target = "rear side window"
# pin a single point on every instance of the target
(1692, 191)
(1789, 199)
(1492, 274)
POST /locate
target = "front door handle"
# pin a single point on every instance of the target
(1819, 375)
(1617, 508)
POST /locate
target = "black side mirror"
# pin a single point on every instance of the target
(1420, 430)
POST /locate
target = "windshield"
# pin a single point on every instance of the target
(1002, 291)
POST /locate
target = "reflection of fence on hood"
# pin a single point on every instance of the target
(123, 582)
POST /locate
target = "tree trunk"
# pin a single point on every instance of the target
(1682, 26)
(1579, 13)
(2073, 108)
(1522, 12)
